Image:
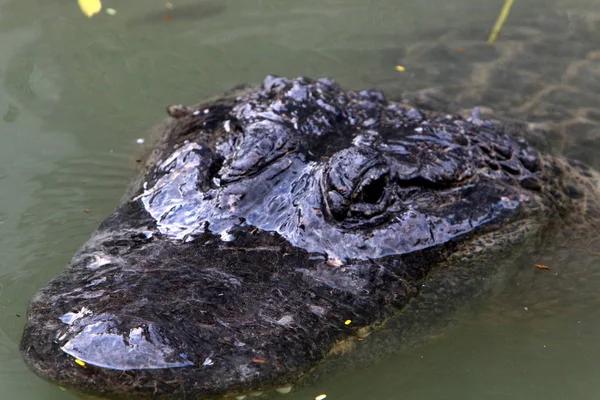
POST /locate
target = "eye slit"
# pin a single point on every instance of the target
(372, 192)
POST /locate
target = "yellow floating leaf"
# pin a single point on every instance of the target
(90, 7)
(79, 362)
(347, 322)
(400, 68)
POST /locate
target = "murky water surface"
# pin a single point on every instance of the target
(76, 93)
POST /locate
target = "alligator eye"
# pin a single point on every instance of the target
(371, 191)
(369, 198)
(355, 185)
(261, 144)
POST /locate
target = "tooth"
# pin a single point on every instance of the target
(284, 389)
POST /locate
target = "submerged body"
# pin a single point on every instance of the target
(273, 226)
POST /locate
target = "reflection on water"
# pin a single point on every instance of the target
(75, 95)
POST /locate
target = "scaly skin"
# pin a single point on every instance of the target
(268, 218)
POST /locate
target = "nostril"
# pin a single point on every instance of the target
(101, 344)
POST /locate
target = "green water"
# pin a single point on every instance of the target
(76, 93)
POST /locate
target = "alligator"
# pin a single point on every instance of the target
(281, 232)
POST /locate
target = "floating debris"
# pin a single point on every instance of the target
(79, 362)
(87, 210)
(400, 68)
(90, 7)
(320, 397)
(347, 322)
(500, 21)
(140, 141)
(541, 266)
(363, 332)
(111, 11)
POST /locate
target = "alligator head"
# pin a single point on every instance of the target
(271, 225)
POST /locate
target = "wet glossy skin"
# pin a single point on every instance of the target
(267, 218)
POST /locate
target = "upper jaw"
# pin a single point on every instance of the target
(146, 315)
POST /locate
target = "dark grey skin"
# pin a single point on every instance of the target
(271, 227)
